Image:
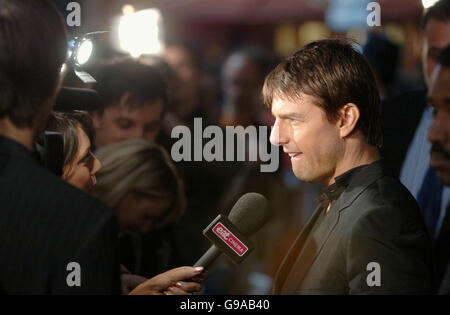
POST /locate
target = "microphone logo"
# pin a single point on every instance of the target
(230, 239)
(222, 232)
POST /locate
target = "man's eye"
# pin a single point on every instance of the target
(124, 124)
(151, 128)
(434, 110)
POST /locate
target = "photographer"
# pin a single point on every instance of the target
(47, 226)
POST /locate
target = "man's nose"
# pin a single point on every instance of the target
(278, 135)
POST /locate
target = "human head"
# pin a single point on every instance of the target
(323, 97)
(80, 165)
(33, 49)
(133, 101)
(439, 134)
(382, 55)
(139, 181)
(436, 35)
(243, 74)
(186, 79)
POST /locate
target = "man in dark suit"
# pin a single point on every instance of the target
(439, 136)
(406, 121)
(404, 114)
(367, 235)
(54, 239)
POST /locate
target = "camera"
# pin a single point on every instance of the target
(49, 151)
(49, 147)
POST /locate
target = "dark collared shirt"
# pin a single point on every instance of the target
(328, 195)
(332, 192)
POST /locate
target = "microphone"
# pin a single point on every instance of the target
(230, 235)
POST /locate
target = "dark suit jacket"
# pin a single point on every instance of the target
(400, 117)
(45, 224)
(445, 284)
(442, 250)
(374, 220)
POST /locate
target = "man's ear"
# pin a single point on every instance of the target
(349, 116)
(96, 119)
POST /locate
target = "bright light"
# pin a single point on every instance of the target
(63, 68)
(428, 3)
(84, 52)
(139, 33)
(128, 9)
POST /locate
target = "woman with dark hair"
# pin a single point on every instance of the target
(80, 165)
(139, 182)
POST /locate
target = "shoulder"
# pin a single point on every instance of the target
(30, 190)
(386, 208)
(390, 192)
(376, 201)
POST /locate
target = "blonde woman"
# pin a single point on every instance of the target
(139, 181)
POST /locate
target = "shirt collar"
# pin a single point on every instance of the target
(331, 193)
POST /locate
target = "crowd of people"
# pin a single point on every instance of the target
(130, 215)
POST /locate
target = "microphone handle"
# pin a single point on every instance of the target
(208, 258)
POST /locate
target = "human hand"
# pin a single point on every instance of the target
(171, 282)
(200, 278)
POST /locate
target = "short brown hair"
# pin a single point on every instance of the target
(66, 123)
(142, 83)
(335, 74)
(33, 47)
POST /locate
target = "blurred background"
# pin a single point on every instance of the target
(216, 54)
(216, 27)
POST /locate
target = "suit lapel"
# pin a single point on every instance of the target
(311, 249)
(289, 259)
(298, 261)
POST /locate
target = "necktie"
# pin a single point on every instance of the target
(429, 200)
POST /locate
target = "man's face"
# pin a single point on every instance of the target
(305, 133)
(121, 122)
(436, 37)
(439, 134)
(241, 83)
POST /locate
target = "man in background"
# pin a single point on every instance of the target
(439, 136)
(406, 122)
(133, 101)
(407, 119)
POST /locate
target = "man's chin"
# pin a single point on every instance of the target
(306, 178)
